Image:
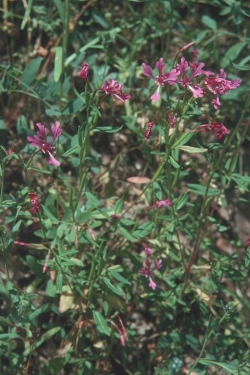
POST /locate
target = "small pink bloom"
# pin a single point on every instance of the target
(9, 151)
(115, 217)
(158, 264)
(35, 203)
(220, 130)
(149, 270)
(187, 71)
(160, 204)
(115, 89)
(247, 244)
(161, 79)
(148, 131)
(40, 140)
(171, 119)
(148, 251)
(84, 72)
(152, 284)
(219, 85)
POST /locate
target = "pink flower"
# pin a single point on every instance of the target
(148, 251)
(161, 79)
(149, 269)
(247, 244)
(35, 203)
(115, 89)
(40, 140)
(219, 85)
(84, 72)
(220, 130)
(148, 131)
(171, 119)
(152, 284)
(160, 204)
(186, 80)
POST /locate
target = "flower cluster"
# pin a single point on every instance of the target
(84, 72)
(148, 131)
(219, 129)
(163, 203)
(150, 267)
(35, 203)
(115, 89)
(185, 74)
(41, 140)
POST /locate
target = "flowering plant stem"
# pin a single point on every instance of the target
(203, 213)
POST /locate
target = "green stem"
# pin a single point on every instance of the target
(215, 166)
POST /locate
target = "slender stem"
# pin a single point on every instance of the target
(2, 184)
(203, 212)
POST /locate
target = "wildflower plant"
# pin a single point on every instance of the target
(119, 249)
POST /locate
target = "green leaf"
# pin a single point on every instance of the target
(70, 151)
(231, 369)
(74, 106)
(34, 266)
(182, 200)
(126, 234)
(92, 200)
(58, 64)
(239, 66)
(108, 129)
(46, 336)
(118, 206)
(174, 163)
(60, 8)
(3, 132)
(183, 139)
(192, 150)
(26, 14)
(101, 323)
(118, 277)
(100, 20)
(233, 53)
(209, 22)
(114, 289)
(39, 170)
(200, 190)
(14, 231)
(49, 214)
(30, 72)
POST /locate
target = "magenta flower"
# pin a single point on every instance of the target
(171, 118)
(40, 140)
(149, 270)
(220, 130)
(84, 72)
(148, 251)
(247, 244)
(148, 131)
(115, 89)
(186, 80)
(160, 204)
(219, 85)
(35, 203)
(161, 79)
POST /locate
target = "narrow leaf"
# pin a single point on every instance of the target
(58, 64)
(27, 14)
(192, 150)
(114, 289)
(101, 323)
